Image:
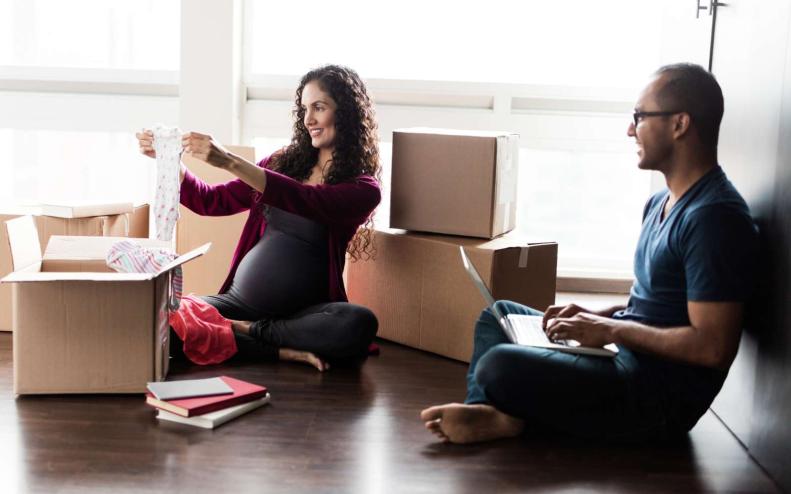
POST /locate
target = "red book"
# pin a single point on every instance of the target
(189, 407)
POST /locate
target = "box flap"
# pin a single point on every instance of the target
(197, 252)
(83, 209)
(89, 248)
(34, 275)
(24, 243)
(79, 248)
(509, 240)
(20, 209)
(455, 132)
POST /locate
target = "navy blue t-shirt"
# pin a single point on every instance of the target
(704, 250)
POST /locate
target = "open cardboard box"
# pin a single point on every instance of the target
(133, 223)
(80, 327)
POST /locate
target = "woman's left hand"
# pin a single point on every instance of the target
(205, 148)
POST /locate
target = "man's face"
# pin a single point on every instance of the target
(652, 134)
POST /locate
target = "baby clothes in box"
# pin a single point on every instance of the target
(127, 256)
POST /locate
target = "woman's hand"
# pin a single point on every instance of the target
(205, 148)
(145, 140)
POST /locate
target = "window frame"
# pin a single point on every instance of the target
(470, 105)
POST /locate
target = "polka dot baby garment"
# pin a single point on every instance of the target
(167, 144)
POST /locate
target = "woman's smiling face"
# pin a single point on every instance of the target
(319, 118)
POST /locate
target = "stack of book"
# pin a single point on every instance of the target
(206, 403)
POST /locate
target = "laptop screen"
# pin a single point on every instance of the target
(476, 278)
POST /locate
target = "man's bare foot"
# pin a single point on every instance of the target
(242, 327)
(457, 423)
(304, 357)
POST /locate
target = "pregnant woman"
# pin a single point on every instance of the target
(309, 205)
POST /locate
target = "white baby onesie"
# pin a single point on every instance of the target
(167, 144)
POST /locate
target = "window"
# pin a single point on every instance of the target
(575, 42)
(66, 166)
(76, 146)
(75, 84)
(141, 34)
(564, 75)
(596, 226)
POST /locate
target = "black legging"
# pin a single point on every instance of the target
(281, 285)
(335, 331)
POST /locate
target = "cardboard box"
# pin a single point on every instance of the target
(454, 182)
(80, 327)
(131, 224)
(204, 276)
(84, 209)
(423, 296)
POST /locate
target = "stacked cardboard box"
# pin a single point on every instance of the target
(461, 186)
(204, 276)
(454, 182)
(130, 221)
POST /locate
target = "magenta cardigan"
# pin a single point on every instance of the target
(341, 207)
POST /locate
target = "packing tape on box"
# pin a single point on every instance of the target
(506, 169)
(507, 151)
(523, 252)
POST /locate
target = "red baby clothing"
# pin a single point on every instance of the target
(207, 336)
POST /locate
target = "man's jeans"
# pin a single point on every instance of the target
(628, 397)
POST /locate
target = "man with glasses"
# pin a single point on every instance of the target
(678, 334)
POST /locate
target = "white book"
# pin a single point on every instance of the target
(189, 388)
(214, 419)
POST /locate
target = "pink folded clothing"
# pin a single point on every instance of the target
(207, 336)
(128, 256)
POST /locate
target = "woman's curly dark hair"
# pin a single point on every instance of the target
(356, 141)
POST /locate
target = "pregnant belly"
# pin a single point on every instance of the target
(281, 275)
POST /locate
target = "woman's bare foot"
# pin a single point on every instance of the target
(242, 327)
(288, 354)
(457, 423)
(304, 357)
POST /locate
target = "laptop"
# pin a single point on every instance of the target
(526, 330)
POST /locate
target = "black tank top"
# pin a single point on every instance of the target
(287, 270)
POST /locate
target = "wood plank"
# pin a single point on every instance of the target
(347, 430)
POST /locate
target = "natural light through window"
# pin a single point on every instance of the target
(52, 166)
(569, 43)
(142, 34)
(535, 64)
(578, 181)
(591, 203)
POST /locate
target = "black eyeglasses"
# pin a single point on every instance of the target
(639, 115)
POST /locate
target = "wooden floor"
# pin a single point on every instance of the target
(344, 431)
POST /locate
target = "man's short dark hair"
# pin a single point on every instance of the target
(692, 89)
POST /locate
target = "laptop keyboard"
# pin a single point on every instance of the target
(529, 331)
